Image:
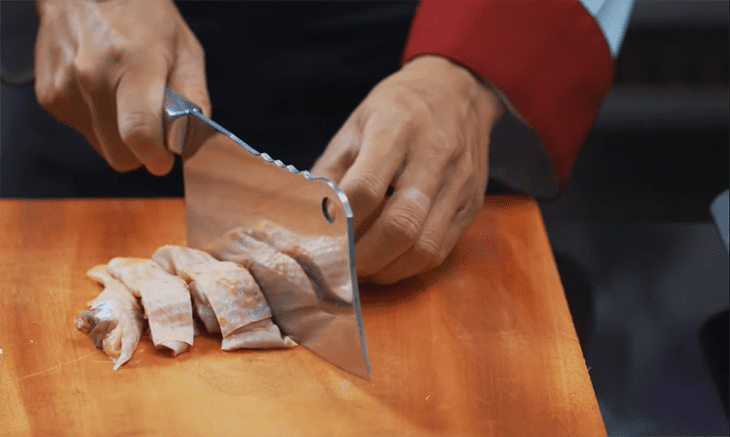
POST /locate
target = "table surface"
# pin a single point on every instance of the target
(484, 345)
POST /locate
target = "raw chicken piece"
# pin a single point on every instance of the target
(324, 259)
(165, 299)
(263, 334)
(229, 292)
(281, 279)
(188, 265)
(114, 320)
(283, 282)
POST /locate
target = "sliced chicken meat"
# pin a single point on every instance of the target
(114, 319)
(263, 334)
(188, 265)
(282, 280)
(226, 298)
(165, 299)
(325, 259)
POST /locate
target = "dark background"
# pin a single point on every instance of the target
(641, 263)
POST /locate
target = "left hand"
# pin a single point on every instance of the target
(102, 67)
(424, 130)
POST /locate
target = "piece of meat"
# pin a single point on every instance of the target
(229, 292)
(233, 294)
(113, 320)
(285, 285)
(325, 259)
(263, 334)
(188, 265)
(165, 299)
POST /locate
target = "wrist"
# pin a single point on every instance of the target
(492, 97)
(487, 91)
(468, 81)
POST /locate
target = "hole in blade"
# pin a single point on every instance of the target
(326, 210)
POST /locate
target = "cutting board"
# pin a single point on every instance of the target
(484, 345)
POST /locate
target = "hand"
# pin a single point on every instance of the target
(102, 67)
(424, 130)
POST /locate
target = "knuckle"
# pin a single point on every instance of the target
(441, 149)
(196, 48)
(138, 127)
(92, 67)
(402, 104)
(54, 94)
(46, 96)
(86, 74)
(413, 104)
(367, 189)
(404, 225)
(414, 111)
(185, 38)
(118, 50)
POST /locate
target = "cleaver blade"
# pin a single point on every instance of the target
(230, 185)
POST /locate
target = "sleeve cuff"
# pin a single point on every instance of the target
(548, 59)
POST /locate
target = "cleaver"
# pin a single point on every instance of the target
(229, 186)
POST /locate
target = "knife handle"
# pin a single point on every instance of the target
(176, 119)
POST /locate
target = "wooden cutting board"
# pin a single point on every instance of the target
(482, 346)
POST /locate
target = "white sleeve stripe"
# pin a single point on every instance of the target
(719, 210)
(612, 17)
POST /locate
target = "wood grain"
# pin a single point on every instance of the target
(482, 346)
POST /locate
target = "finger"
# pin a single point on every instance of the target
(423, 255)
(95, 68)
(64, 100)
(339, 154)
(99, 95)
(403, 218)
(140, 97)
(78, 116)
(449, 218)
(46, 62)
(366, 223)
(56, 89)
(381, 155)
(187, 77)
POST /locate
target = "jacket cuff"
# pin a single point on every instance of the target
(548, 58)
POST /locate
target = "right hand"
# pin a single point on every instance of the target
(102, 68)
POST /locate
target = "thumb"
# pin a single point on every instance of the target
(338, 156)
(187, 77)
(139, 112)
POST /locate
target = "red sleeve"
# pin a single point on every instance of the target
(549, 58)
